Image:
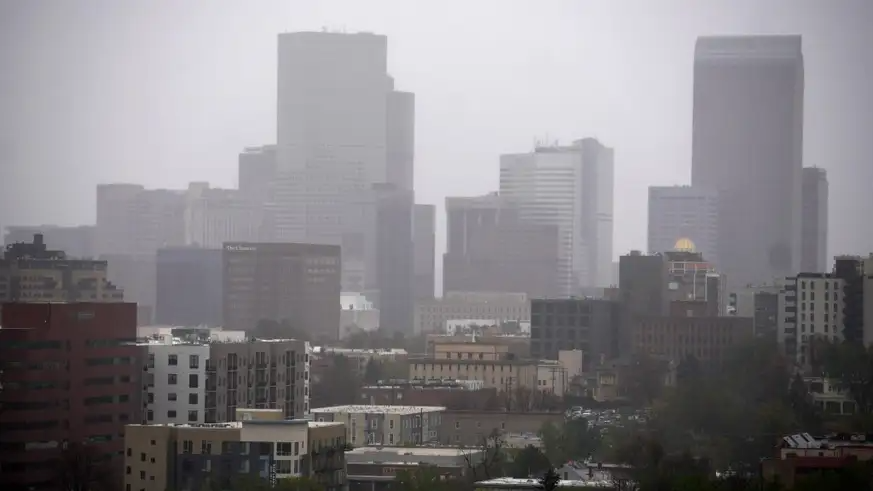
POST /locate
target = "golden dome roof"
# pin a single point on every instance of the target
(684, 244)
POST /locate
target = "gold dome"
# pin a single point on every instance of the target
(684, 244)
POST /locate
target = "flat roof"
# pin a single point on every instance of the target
(323, 424)
(415, 451)
(511, 482)
(377, 409)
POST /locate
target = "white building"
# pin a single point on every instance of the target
(683, 213)
(215, 216)
(434, 316)
(571, 187)
(175, 388)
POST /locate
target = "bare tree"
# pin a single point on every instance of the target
(82, 468)
(491, 463)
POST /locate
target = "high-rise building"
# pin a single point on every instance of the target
(256, 168)
(747, 146)
(76, 242)
(341, 128)
(215, 216)
(424, 251)
(570, 187)
(587, 324)
(814, 236)
(491, 249)
(189, 286)
(71, 381)
(30, 272)
(299, 283)
(133, 221)
(683, 213)
(393, 252)
(175, 381)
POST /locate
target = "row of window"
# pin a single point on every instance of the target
(193, 415)
(193, 380)
(193, 397)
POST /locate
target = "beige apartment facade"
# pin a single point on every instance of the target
(385, 425)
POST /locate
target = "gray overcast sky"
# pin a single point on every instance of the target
(163, 92)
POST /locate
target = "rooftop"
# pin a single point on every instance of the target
(324, 424)
(410, 451)
(511, 482)
(375, 409)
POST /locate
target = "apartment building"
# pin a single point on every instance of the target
(279, 281)
(30, 272)
(433, 315)
(261, 445)
(175, 381)
(261, 374)
(504, 374)
(70, 373)
(518, 344)
(385, 425)
(706, 338)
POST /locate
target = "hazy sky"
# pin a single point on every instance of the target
(164, 92)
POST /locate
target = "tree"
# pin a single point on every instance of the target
(550, 480)
(527, 462)
(273, 329)
(571, 440)
(422, 479)
(851, 366)
(491, 449)
(645, 376)
(339, 385)
(373, 373)
(297, 484)
(81, 468)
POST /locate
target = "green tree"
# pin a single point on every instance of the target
(337, 386)
(422, 479)
(527, 462)
(550, 480)
(851, 366)
(571, 440)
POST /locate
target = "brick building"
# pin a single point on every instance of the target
(70, 376)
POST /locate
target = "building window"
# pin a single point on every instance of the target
(193, 361)
(171, 413)
(193, 381)
(192, 398)
(150, 415)
(187, 446)
(391, 424)
(171, 396)
(192, 416)
(171, 378)
(284, 449)
(172, 360)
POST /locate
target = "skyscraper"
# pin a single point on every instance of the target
(571, 187)
(747, 145)
(424, 250)
(814, 237)
(683, 213)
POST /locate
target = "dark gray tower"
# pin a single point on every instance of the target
(814, 236)
(747, 145)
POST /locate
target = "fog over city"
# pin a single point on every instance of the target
(415, 245)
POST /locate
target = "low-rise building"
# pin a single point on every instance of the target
(261, 445)
(829, 396)
(433, 315)
(802, 454)
(385, 425)
(375, 468)
(358, 357)
(706, 338)
(453, 394)
(472, 428)
(518, 344)
(587, 324)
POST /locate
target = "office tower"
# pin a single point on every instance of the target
(189, 283)
(137, 276)
(643, 292)
(30, 272)
(71, 383)
(424, 251)
(215, 216)
(587, 324)
(76, 242)
(747, 146)
(341, 128)
(491, 249)
(683, 213)
(570, 187)
(134, 221)
(256, 168)
(260, 374)
(299, 283)
(814, 229)
(391, 231)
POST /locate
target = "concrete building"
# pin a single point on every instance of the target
(433, 315)
(587, 324)
(189, 286)
(683, 213)
(175, 381)
(359, 358)
(77, 242)
(507, 374)
(30, 272)
(762, 304)
(134, 221)
(214, 216)
(71, 374)
(472, 428)
(694, 283)
(452, 394)
(136, 274)
(490, 249)
(518, 344)
(259, 374)
(424, 247)
(297, 282)
(261, 445)
(256, 169)
(706, 338)
(376, 469)
(385, 425)
(335, 137)
(814, 229)
(748, 146)
(570, 187)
